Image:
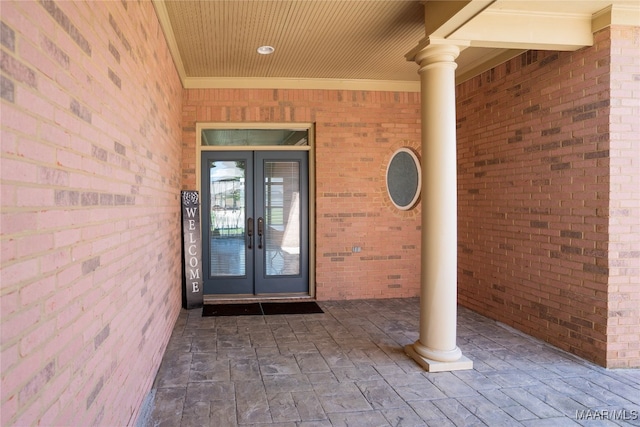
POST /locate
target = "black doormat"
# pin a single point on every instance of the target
(252, 309)
(257, 309)
(302, 307)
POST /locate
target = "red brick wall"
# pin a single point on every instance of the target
(623, 328)
(534, 199)
(90, 210)
(356, 134)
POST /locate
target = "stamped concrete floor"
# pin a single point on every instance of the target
(347, 367)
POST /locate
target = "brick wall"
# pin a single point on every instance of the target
(356, 134)
(623, 328)
(535, 170)
(91, 110)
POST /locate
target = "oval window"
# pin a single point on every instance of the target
(404, 179)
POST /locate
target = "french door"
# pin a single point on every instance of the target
(255, 222)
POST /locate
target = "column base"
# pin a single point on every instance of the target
(463, 363)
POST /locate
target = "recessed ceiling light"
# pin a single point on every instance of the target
(265, 50)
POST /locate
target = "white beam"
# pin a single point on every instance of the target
(441, 18)
(616, 14)
(511, 29)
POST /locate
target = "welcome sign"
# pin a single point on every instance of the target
(192, 296)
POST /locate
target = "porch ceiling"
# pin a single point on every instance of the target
(362, 44)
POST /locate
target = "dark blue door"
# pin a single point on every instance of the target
(255, 222)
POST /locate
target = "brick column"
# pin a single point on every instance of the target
(436, 349)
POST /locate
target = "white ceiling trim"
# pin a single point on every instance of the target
(291, 83)
(165, 24)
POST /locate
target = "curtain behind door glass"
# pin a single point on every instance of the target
(282, 217)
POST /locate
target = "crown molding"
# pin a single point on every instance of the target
(167, 29)
(294, 83)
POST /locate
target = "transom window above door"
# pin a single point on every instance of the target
(254, 137)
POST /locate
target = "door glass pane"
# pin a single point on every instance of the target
(282, 217)
(228, 218)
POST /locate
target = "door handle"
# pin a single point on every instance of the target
(260, 231)
(250, 232)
